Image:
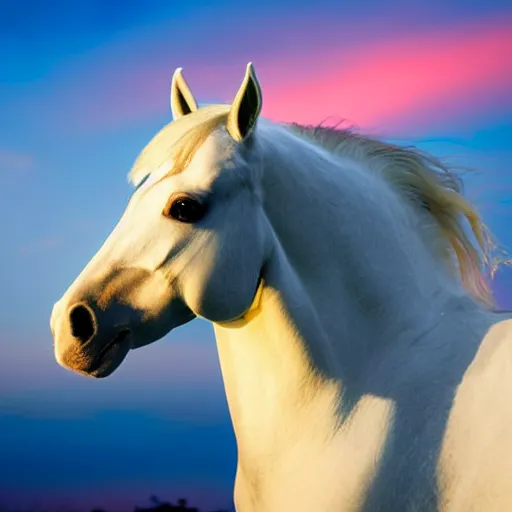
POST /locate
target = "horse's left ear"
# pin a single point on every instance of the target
(246, 107)
(182, 99)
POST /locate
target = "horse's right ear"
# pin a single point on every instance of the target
(246, 107)
(182, 99)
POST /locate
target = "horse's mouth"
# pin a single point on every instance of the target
(111, 355)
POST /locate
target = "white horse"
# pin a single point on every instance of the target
(364, 366)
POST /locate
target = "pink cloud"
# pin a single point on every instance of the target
(426, 75)
(410, 79)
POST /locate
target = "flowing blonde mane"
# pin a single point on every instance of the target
(418, 176)
(429, 183)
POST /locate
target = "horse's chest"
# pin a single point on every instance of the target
(312, 466)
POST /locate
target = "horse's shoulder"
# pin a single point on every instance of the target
(494, 355)
(478, 429)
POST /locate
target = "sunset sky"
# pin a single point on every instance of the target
(84, 85)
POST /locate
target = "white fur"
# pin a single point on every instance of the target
(364, 378)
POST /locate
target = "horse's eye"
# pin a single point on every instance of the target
(185, 209)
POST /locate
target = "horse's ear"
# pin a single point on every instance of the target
(246, 107)
(182, 99)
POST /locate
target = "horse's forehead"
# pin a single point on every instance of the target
(204, 166)
(210, 158)
(216, 149)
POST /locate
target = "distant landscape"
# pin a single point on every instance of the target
(156, 505)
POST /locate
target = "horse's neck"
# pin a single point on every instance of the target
(287, 395)
(276, 369)
(349, 277)
(353, 242)
(357, 326)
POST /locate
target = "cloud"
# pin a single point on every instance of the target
(15, 162)
(414, 78)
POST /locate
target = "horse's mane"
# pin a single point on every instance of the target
(428, 182)
(417, 175)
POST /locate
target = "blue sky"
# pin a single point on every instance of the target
(83, 87)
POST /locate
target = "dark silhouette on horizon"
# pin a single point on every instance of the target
(156, 506)
(164, 506)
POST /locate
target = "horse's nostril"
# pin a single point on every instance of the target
(82, 323)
